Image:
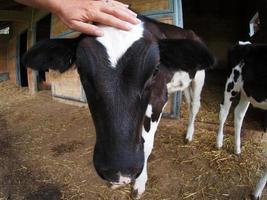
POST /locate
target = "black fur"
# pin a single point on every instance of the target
(56, 54)
(230, 86)
(254, 70)
(234, 93)
(184, 54)
(236, 75)
(147, 121)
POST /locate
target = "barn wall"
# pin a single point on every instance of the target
(12, 45)
(67, 85)
(3, 54)
(11, 59)
(12, 52)
(3, 60)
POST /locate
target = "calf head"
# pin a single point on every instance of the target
(118, 96)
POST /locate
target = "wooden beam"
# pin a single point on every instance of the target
(15, 16)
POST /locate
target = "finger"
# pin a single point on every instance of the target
(123, 8)
(87, 28)
(121, 14)
(129, 11)
(110, 20)
(120, 4)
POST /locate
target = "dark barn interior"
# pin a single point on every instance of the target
(223, 23)
(43, 27)
(22, 51)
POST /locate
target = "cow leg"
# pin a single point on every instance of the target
(232, 88)
(194, 105)
(148, 135)
(187, 93)
(240, 112)
(225, 107)
(260, 186)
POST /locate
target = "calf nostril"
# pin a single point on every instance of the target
(124, 180)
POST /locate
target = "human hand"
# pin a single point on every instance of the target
(78, 14)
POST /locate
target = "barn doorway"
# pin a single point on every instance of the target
(221, 24)
(43, 27)
(22, 70)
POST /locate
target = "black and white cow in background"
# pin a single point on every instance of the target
(249, 79)
(126, 77)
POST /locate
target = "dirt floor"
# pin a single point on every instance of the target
(46, 153)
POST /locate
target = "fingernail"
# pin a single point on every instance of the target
(99, 33)
(133, 13)
(138, 20)
(126, 5)
(128, 26)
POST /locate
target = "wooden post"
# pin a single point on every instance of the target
(32, 74)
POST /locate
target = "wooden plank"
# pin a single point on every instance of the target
(11, 59)
(15, 16)
(3, 59)
(150, 6)
(168, 19)
(57, 26)
(66, 85)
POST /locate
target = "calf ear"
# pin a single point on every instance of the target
(56, 54)
(184, 54)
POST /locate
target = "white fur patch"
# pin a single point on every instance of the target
(140, 182)
(180, 81)
(122, 180)
(261, 105)
(118, 41)
(260, 186)
(244, 42)
(149, 110)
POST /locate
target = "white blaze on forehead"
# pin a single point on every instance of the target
(118, 41)
(180, 81)
(149, 110)
(244, 42)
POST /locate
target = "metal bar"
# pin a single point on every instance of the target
(68, 98)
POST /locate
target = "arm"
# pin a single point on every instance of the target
(78, 14)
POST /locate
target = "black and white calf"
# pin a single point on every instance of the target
(126, 77)
(249, 79)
